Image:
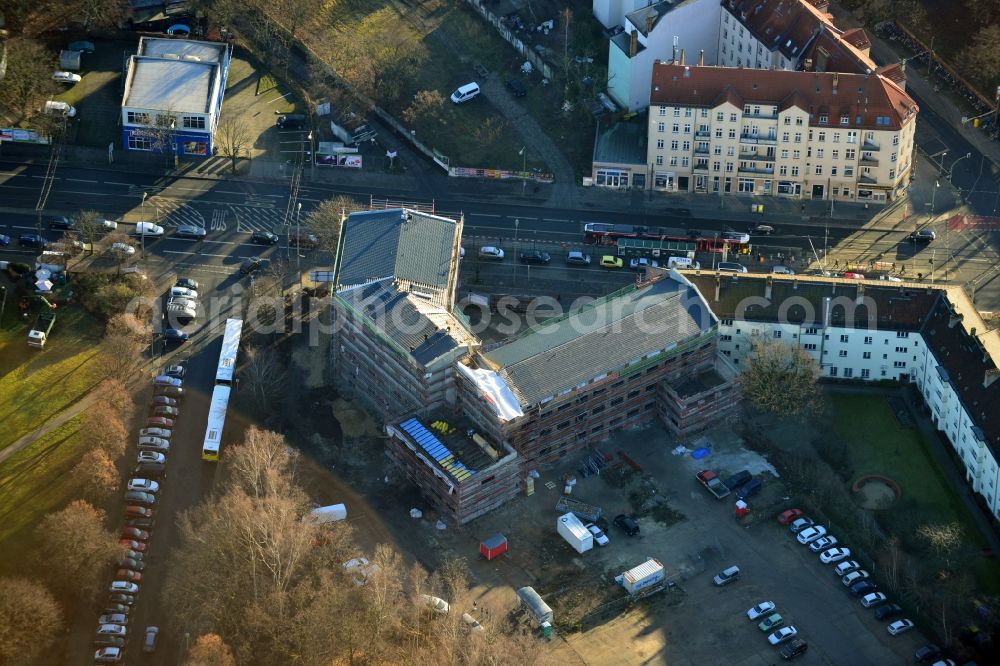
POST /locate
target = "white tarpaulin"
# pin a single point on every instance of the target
(43, 285)
(43, 274)
(495, 391)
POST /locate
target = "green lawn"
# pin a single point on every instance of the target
(879, 445)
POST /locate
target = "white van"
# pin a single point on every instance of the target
(181, 311)
(328, 514)
(682, 262)
(465, 93)
(54, 108)
(147, 229)
(732, 267)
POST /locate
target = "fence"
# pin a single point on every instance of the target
(505, 32)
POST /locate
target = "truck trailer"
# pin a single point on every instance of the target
(576, 535)
(642, 578)
(39, 333)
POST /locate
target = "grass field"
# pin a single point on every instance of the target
(878, 444)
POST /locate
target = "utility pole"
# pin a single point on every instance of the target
(298, 235)
(142, 227)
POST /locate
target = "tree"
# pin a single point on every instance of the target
(263, 465)
(28, 79)
(30, 620)
(264, 378)
(102, 427)
(130, 325)
(427, 113)
(324, 220)
(121, 356)
(981, 58)
(944, 540)
(101, 14)
(78, 548)
(233, 138)
(86, 223)
(116, 396)
(97, 475)
(210, 650)
(779, 378)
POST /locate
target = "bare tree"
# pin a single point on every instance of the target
(30, 620)
(97, 475)
(78, 548)
(428, 113)
(29, 75)
(102, 427)
(263, 465)
(234, 138)
(296, 13)
(264, 378)
(130, 325)
(121, 356)
(210, 650)
(116, 396)
(324, 221)
(779, 378)
(944, 540)
(103, 14)
(981, 58)
(86, 223)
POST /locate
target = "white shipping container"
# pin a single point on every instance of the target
(645, 575)
(578, 536)
(329, 514)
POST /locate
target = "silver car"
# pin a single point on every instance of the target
(154, 444)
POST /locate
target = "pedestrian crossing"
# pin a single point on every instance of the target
(259, 214)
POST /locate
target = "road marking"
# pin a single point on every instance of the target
(228, 192)
(483, 215)
(555, 219)
(200, 254)
(88, 194)
(222, 242)
(111, 182)
(80, 180)
(219, 219)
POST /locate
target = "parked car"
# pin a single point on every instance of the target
(303, 241)
(737, 480)
(133, 532)
(111, 630)
(760, 610)
(4, 240)
(641, 263)
(60, 222)
(110, 641)
(119, 598)
(183, 292)
(140, 497)
(291, 121)
(134, 565)
(117, 608)
(810, 534)
(727, 575)
(782, 635)
(927, 652)
(845, 568)
(788, 515)
(823, 543)
(770, 622)
(107, 225)
(793, 649)
(141, 523)
(873, 599)
(863, 588)
(778, 269)
(155, 432)
(762, 229)
(599, 536)
(750, 488)
(899, 626)
(123, 249)
(149, 642)
(491, 252)
(137, 511)
(516, 87)
(169, 391)
(611, 261)
(123, 587)
(179, 302)
(129, 574)
(151, 457)
(166, 380)
(264, 238)
(731, 267)
(799, 524)
(163, 399)
(187, 283)
(154, 444)
(66, 77)
(150, 469)
(436, 604)
(113, 618)
(535, 257)
(190, 231)
(831, 555)
(147, 229)
(159, 422)
(626, 524)
(577, 258)
(853, 275)
(886, 611)
(253, 265)
(108, 655)
(32, 240)
(854, 577)
(175, 371)
(82, 47)
(171, 412)
(922, 236)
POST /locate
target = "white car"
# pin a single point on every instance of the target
(811, 534)
(823, 543)
(151, 457)
(599, 536)
(761, 609)
(831, 555)
(183, 292)
(360, 569)
(854, 577)
(491, 252)
(66, 77)
(123, 249)
(435, 603)
(845, 568)
(108, 655)
(472, 622)
(873, 599)
(144, 485)
(113, 618)
(166, 380)
(106, 224)
(899, 626)
(111, 630)
(123, 587)
(736, 236)
(782, 635)
(155, 432)
(800, 524)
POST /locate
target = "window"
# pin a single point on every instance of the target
(812, 331)
(717, 150)
(833, 172)
(777, 334)
(788, 120)
(798, 137)
(674, 144)
(823, 119)
(809, 346)
(798, 121)
(836, 137)
(676, 128)
(850, 154)
(716, 166)
(687, 112)
(677, 112)
(852, 136)
(687, 128)
(685, 161)
(731, 151)
(140, 143)
(822, 137)
(732, 133)
(866, 355)
(845, 120)
(843, 353)
(663, 110)
(686, 146)
(892, 158)
(729, 167)
(725, 338)
(843, 338)
(795, 171)
(784, 137)
(660, 127)
(848, 372)
(892, 174)
(902, 334)
(901, 350)
(865, 373)
(732, 117)
(819, 169)
(848, 173)
(194, 122)
(718, 132)
(659, 160)
(137, 118)
(673, 160)
(784, 153)
(899, 364)
(819, 153)
(868, 339)
(833, 371)
(895, 139)
(796, 154)
(719, 117)
(782, 170)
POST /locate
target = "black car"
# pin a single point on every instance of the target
(187, 283)
(127, 599)
(738, 479)
(794, 649)
(303, 240)
(171, 391)
(535, 257)
(928, 652)
(264, 238)
(923, 236)
(887, 611)
(173, 335)
(190, 231)
(626, 524)
(163, 410)
(761, 229)
(60, 222)
(109, 641)
(750, 488)
(252, 265)
(149, 470)
(291, 121)
(141, 523)
(32, 240)
(116, 608)
(516, 88)
(863, 587)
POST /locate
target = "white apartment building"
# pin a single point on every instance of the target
(870, 332)
(819, 135)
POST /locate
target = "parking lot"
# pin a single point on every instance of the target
(696, 622)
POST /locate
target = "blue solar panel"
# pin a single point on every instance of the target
(434, 448)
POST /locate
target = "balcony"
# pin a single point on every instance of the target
(868, 160)
(702, 134)
(768, 140)
(700, 166)
(756, 157)
(765, 115)
(870, 144)
(701, 151)
(867, 180)
(767, 171)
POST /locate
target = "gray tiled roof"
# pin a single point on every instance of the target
(604, 337)
(392, 313)
(408, 245)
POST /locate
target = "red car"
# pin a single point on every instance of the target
(136, 511)
(134, 533)
(850, 275)
(129, 575)
(159, 422)
(137, 546)
(786, 517)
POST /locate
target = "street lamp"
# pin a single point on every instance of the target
(517, 223)
(298, 237)
(142, 227)
(951, 172)
(524, 169)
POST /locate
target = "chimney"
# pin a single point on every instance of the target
(682, 57)
(991, 376)
(649, 24)
(836, 78)
(701, 58)
(633, 44)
